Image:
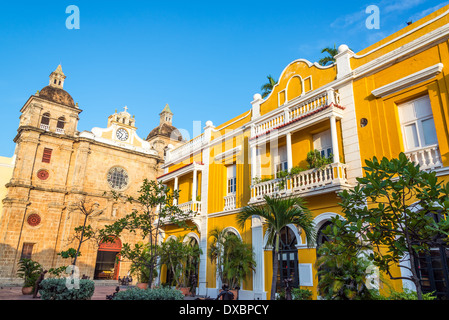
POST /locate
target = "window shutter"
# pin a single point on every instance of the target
(305, 274)
(47, 155)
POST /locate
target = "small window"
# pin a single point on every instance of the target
(61, 123)
(323, 143)
(45, 119)
(27, 251)
(280, 160)
(46, 157)
(231, 179)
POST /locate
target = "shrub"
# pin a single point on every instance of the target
(297, 294)
(30, 271)
(407, 294)
(301, 294)
(56, 289)
(150, 294)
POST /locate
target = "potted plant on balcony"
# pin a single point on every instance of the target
(316, 161)
(30, 271)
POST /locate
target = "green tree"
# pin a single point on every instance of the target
(181, 257)
(83, 233)
(342, 273)
(330, 58)
(392, 210)
(268, 87)
(278, 213)
(155, 210)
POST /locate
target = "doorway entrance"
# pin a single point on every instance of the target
(108, 260)
(288, 258)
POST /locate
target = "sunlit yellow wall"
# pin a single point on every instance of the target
(382, 136)
(316, 78)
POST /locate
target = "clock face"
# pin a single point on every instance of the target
(122, 134)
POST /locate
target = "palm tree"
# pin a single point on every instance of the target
(268, 87)
(330, 58)
(278, 213)
(234, 258)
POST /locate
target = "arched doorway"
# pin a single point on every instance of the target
(108, 260)
(321, 238)
(288, 258)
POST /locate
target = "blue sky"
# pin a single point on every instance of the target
(206, 59)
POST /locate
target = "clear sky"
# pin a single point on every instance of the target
(206, 59)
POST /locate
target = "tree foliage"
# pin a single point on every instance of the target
(278, 213)
(155, 210)
(392, 212)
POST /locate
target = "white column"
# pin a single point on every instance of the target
(289, 151)
(194, 182)
(175, 201)
(257, 244)
(253, 162)
(335, 151)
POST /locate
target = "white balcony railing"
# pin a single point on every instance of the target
(302, 108)
(194, 206)
(60, 131)
(185, 149)
(330, 176)
(428, 157)
(229, 202)
(45, 127)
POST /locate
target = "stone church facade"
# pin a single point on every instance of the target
(57, 167)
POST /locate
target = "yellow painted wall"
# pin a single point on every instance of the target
(382, 136)
(319, 77)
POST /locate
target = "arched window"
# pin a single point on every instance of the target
(60, 125)
(45, 121)
(321, 237)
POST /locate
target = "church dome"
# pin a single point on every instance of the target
(57, 95)
(167, 130)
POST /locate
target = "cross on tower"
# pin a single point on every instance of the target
(126, 108)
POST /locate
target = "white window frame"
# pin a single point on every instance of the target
(231, 184)
(325, 149)
(417, 121)
(280, 160)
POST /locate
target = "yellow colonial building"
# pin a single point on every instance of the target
(389, 98)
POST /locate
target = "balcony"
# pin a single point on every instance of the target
(298, 112)
(331, 178)
(45, 127)
(428, 157)
(60, 131)
(186, 148)
(191, 206)
(229, 202)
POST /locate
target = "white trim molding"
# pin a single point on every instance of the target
(411, 80)
(229, 153)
